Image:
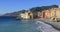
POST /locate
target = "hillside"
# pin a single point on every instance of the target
(34, 9)
(14, 13)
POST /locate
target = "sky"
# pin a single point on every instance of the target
(8, 6)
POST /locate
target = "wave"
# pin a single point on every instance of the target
(43, 27)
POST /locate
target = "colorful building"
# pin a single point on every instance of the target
(39, 14)
(48, 13)
(26, 15)
(51, 13)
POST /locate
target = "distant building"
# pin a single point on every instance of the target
(51, 13)
(39, 14)
(26, 15)
(48, 13)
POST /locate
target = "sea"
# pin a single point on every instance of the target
(10, 24)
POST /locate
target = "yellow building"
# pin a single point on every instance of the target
(47, 13)
(53, 13)
(27, 15)
(50, 13)
(24, 15)
(39, 14)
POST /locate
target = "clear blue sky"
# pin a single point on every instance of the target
(8, 6)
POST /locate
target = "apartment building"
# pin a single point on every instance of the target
(26, 15)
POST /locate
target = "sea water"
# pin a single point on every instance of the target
(9, 24)
(13, 25)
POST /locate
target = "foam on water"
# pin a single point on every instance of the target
(45, 27)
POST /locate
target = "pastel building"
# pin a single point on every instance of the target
(48, 13)
(26, 15)
(51, 13)
(39, 14)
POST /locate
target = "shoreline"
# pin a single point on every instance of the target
(55, 25)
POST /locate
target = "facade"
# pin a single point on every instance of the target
(47, 14)
(51, 14)
(43, 15)
(26, 15)
(39, 14)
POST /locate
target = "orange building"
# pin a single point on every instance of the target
(48, 13)
(43, 14)
(51, 13)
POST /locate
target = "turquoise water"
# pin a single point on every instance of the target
(9, 25)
